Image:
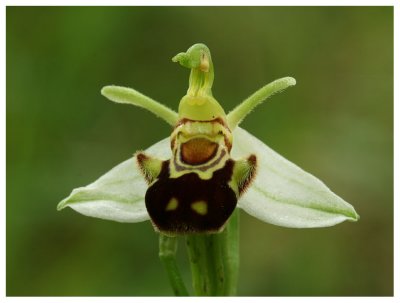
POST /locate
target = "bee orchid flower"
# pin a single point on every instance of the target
(192, 182)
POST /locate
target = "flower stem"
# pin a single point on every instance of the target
(167, 254)
(197, 249)
(231, 254)
(214, 260)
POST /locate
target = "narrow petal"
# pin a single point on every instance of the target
(284, 194)
(128, 95)
(236, 116)
(119, 194)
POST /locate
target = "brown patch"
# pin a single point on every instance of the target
(252, 160)
(228, 144)
(173, 142)
(140, 159)
(198, 151)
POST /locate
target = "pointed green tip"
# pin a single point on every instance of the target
(290, 81)
(61, 205)
(194, 56)
(353, 216)
(106, 91)
(119, 94)
(181, 58)
(185, 60)
(285, 82)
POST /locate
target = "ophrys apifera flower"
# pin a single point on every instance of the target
(191, 182)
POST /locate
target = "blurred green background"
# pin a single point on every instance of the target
(337, 123)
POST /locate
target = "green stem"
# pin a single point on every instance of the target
(231, 254)
(167, 253)
(196, 245)
(214, 260)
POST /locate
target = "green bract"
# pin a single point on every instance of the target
(281, 193)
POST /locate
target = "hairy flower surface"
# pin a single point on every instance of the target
(192, 181)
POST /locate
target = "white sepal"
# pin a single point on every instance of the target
(118, 195)
(284, 194)
(281, 194)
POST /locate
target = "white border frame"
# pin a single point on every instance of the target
(395, 4)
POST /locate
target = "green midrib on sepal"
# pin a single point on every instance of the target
(309, 204)
(86, 197)
(352, 216)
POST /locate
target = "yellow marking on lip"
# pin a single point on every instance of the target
(172, 204)
(200, 207)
